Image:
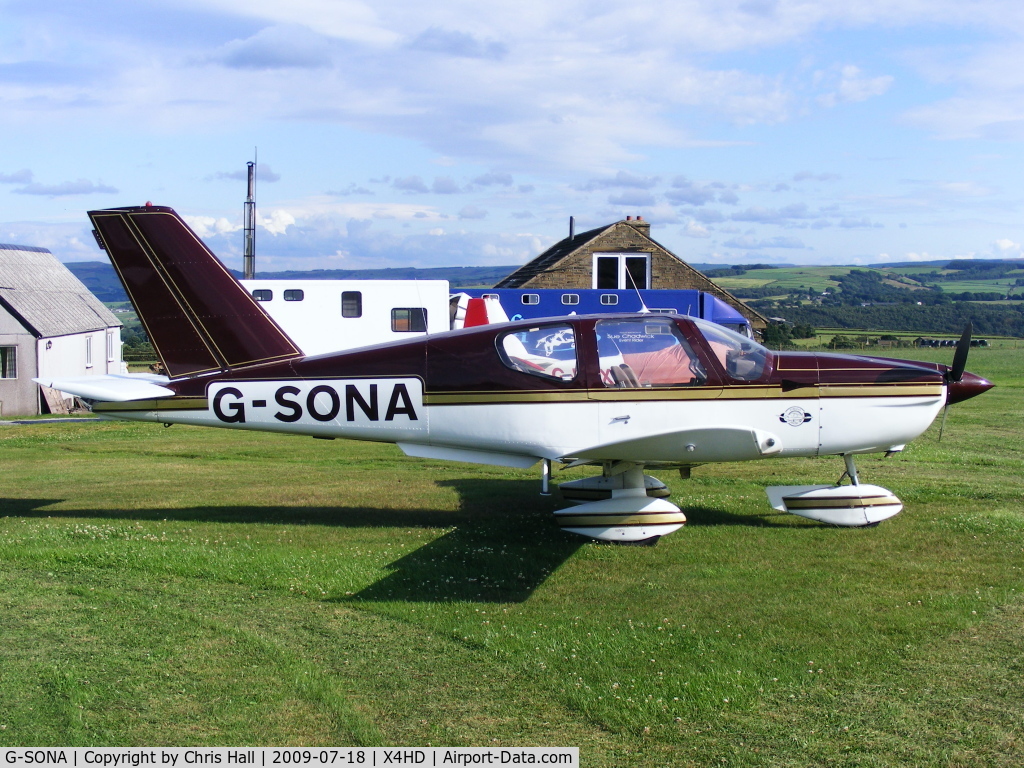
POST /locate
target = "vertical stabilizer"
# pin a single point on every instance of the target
(198, 317)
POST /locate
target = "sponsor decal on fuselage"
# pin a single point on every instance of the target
(354, 402)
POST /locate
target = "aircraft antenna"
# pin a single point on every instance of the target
(643, 305)
(249, 227)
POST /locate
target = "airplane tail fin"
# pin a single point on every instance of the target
(197, 315)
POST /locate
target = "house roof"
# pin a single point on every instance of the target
(45, 297)
(551, 257)
(563, 249)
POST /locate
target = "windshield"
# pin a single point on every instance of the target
(646, 353)
(742, 358)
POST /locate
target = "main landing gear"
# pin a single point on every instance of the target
(622, 505)
(626, 506)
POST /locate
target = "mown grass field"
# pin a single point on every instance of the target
(788, 279)
(205, 587)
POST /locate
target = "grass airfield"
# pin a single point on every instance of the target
(207, 587)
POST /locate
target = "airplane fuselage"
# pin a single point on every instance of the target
(456, 391)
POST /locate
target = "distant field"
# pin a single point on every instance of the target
(203, 587)
(1002, 285)
(817, 278)
(786, 279)
(741, 282)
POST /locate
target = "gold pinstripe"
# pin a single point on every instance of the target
(694, 393)
(135, 302)
(607, 521)
(257, 309)
(849, 503)
(584, 396)
(168, 404)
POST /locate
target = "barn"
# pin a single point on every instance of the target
(50, 325)
(619, 256)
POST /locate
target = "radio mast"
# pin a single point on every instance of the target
(249, 227)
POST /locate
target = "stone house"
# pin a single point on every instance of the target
(619, 256)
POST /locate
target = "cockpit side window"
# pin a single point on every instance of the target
(741, 358)
(646, 353)
(548, 351)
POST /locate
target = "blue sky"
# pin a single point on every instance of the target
(464, 133)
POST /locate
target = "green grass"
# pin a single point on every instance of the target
(786, 279)
(201, 587)
(1002, 285)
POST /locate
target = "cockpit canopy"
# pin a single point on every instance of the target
(643, 351)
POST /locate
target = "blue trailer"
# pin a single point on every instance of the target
(525, 304)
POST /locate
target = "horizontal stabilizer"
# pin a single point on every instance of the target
(110, 387)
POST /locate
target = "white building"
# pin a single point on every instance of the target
(50, 325)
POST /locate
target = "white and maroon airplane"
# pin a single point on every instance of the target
(621, 392)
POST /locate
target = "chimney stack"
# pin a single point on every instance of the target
(644, 227)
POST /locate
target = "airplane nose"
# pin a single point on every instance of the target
(969, 386)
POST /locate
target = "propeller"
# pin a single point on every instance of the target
(956, 371)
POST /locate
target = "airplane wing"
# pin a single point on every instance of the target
(700, 445)
(111, 387)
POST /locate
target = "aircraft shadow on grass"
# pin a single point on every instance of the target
(502, 543)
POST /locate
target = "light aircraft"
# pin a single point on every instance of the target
(621, 392)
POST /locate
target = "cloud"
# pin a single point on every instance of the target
(985, 81)
(705, 215)
(326, 242)
(752, 243)
(861, 223)
(635, 197)
(472, 212)
(795, 211)
(693, 229)
(808, 176)
(289, 46)
(276, 222)
(67, 188)
(492, 179)
(685, 191)
(964, 189)
(67, 241)
(209, 226)
(444, 185)
(410, 184)
(351, 189)
(852, 86)
(264, 173)
(1006, 248)
(620, 179)
(458, 44)
(24, 176)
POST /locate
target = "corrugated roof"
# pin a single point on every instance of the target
(41, 292)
